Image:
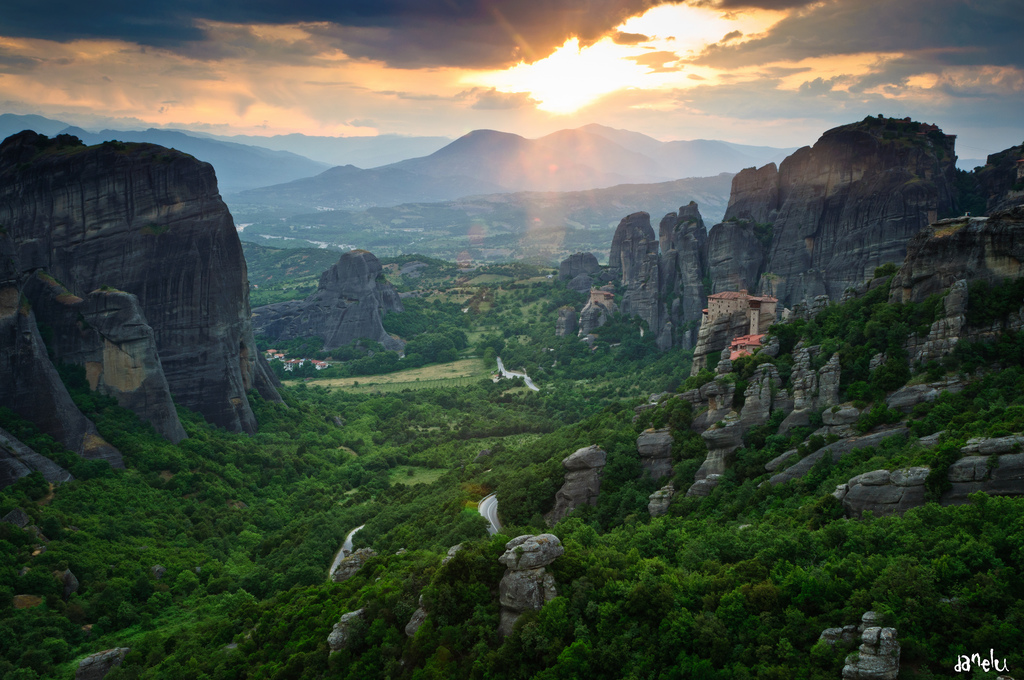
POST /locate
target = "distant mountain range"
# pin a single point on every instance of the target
(487, 161)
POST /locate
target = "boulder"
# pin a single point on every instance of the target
(158, 571)
(703, 487)
(582, 482)
(18, 460)
(531, 552)
(844, 636)
(70, 583)
(566, 324)
(577, 264)
(348, 567)
(581, 283)
(417, 619)
(96, 666)
(341, 634)
(451, 553)
(906, 398)
(18, 518)
(660, 500)
(655, 449)
(522, 590)
(878, 657)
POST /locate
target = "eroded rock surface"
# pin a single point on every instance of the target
(655, 449)
(148, 221)
(582, 482)
(18, 460)
(526, 584)
(566, 323)
(576, 264)
(660, 500)
(348, 567)
(877, 658)
(349, 304)
(341, 634)
(96, 666)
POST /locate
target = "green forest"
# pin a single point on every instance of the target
(738, 584)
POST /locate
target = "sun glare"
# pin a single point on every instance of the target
(573, 77)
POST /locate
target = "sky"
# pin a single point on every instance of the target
(767, 72)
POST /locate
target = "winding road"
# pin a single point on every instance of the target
(516, 374)
(488, 507)
(345, 551)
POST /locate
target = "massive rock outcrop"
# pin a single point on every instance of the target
(106, 332)
(838, 209)
(635, 255)
(148, 221)
(1001, 180)
(96, 666)
(576, 264)
(595, 313)
(349, 305)
(682, 268)
(29, 384)
(735, 256)
(970, 248)
(526, 584)
(754, 196)
(582, 482)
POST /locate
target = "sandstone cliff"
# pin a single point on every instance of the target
(971, 248)
(1001, 180)
(148, 221)
(349, 305)
(29, 384)
(852, 201)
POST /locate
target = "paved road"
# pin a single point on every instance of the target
(488, 507)
(346, 550)
(516, 374)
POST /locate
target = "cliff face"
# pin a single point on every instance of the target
(1001, 180)
(148, 221)
(683, 239)
(29, 384)
(348, 305)
(754, 196)
(852, 201)
(735, 257)
(634, 254)
(972, 248)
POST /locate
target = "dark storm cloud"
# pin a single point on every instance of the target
(405, 33)
(946, 32)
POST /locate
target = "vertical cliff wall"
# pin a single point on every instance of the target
(150, 222)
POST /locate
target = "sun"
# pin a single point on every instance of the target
(573, 77)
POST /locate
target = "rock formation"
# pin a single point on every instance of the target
(754, 196)
(581, 283)
(17, 517)
(69, 582)
(595, 313)
(18, 460)
(566, 324)
(655, 449)
(836, 450)
(526, 584)
(582, 482)
(148, 221)
(878, 657)
(852, 201)
(107, 334)
(1001, 180)
(29, 384)
(341, 634)
(348, 567)
(660, 500)
(944, 333)
(96, 666)
(811, 390)
(735, 256)
(888, 492)
(682, 268)
(349, 305)
(972, 248)
(418, 618)
(576, 264)
(634, 254)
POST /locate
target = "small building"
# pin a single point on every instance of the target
(759, 309)
(744, 346)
